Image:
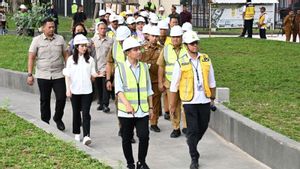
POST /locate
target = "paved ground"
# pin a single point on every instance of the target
(164, 152)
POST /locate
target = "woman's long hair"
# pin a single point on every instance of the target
(76, 55)
(84, 30)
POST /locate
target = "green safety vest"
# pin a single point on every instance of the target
(135, 90)
(74, 8)
(170, 57)
(117, 52)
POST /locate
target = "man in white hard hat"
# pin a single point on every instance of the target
(151, 51)
(161, 11)
(111, 32)
(131, 24)
(166, 61)
(101, 46)
(193, 76)
(153, 19)
(140, 22)
(145, 32)
(133, 88)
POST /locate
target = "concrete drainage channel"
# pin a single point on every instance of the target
(273, 149)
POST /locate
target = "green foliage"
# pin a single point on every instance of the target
(23, 145)
(32, 18)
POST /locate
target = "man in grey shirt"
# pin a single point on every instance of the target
(102, 45)
(48, 52)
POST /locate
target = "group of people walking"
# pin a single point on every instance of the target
(144, 59)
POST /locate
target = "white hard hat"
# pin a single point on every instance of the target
(146, 29)
(154, 30)
(161, 9)
(187, 26)
(153, 18)
(109, 11)
(80, 39)
(121, 20)
(130, 20)
(102, 12)
(113, 18)
(122, 33)
(22, 6)
(189, 37)
(163, 24)
(167, 19)
(176, 31)
(130, 43)
(144, 14)
(140, 19)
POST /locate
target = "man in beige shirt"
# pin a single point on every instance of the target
(48, 52)
(102, 45)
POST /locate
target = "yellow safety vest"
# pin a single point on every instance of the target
(168, 40)
(111, 34)
(250, 11)
(262, 21)
(170, 57)
(74, 8)
(135, 90)
(117, 52)
(151, 7)
(186, 84)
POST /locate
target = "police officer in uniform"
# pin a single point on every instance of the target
(248, 16)
(151, 51)
(193, 76)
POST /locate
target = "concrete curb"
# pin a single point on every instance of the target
(273, 149)
(62, 136)
(265, 145)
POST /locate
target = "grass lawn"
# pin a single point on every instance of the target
(23, 145)
(263, 77)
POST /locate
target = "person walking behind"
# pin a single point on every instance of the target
(151, 52)
(102, 45)
(79, 17)
(289, 25)
(166, 61)
(79, 69)
(48, 52)
(53, 13)
(193, 76)
(248, 16)
(262, 23)
(134, 91)
(185, 15)
(296, 31)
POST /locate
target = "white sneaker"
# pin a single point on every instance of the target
(77, 137)
(87, 140)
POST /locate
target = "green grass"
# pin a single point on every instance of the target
(23, 145)
(263, 76)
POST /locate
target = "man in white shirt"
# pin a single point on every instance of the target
(193, 76)
(262, 23)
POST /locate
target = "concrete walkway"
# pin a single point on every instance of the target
(164, 152)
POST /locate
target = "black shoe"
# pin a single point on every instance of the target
(194, 164)
(154, 128)
(100, 107)
(167, 116)
(184, 130)
(141, 166)
(133, 140)
(106, 109)
(241, 36)
(60, 125)
(131, 166)
(175, 133)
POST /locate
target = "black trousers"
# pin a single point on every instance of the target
(197, 119)
(103, 94)
(262, 33)
(142, 130)
(59, 88)
(248, 26)
(81, 103)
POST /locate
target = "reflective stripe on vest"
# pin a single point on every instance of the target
(117, 52)
(170, 57)
(135, 93)
(186, 84)
(262, 21)
(250, 11)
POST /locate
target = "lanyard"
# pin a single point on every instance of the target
(196, 68)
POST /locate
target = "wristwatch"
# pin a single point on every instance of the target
(29, 74)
